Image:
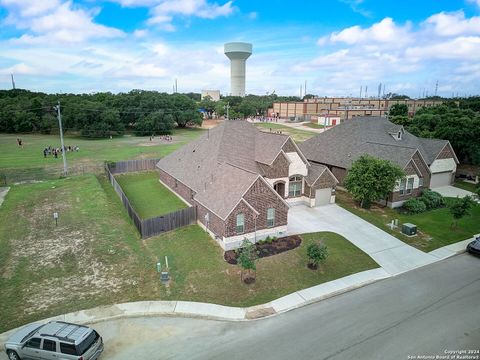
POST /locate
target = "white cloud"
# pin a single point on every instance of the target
(451, 24)
(385, 31)
(55, 21)
(253, 15)
(477, 2)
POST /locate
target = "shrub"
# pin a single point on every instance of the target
(316, 254)
(414, 206)
(432, 199)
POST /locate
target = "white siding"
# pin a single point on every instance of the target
(297, 166)
(442, 165)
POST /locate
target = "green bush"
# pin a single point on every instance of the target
(414, 206)
(432, 199)
(317, 253)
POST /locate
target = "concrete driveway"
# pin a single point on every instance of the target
(393, 255)
(452, 191)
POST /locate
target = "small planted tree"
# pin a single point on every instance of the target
(371, 179)
(460, 208)
(247, 255)
(317, 253)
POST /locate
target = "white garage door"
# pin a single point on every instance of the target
(441, 179)
(322, 196)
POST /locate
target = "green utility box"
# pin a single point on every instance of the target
(409, 229)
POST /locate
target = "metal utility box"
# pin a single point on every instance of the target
(409, 229)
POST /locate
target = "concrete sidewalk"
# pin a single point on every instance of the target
(219, 312)
(3, 193)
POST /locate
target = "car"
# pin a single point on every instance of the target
(474, 246)
(54, 340)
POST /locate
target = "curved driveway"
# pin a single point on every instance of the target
(393, 255)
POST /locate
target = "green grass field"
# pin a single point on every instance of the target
(296, 134)
(313, 126)
(91, 151)
(147, 195)
(466, 186)
(95, 257)
(435, 226)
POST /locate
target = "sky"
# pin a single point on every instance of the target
(336, 46)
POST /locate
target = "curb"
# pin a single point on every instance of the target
(216, 312)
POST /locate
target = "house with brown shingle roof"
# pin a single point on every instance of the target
(428, 163)
(243, 181)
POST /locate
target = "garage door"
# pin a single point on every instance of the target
(441, 179)
(322, 196)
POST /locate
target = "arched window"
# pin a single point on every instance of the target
(295, 186)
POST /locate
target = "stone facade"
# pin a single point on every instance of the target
(424, 170)
(289, 146)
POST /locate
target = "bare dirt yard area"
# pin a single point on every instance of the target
(93, 257)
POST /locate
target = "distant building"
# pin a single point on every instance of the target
(214, 94)
(326, 119)
(346, 108)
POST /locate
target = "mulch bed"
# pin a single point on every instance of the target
(268, 249)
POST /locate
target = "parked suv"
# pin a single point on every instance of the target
(54, 340)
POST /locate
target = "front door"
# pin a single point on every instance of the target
(280, 189)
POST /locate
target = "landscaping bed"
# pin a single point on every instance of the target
(268, 248)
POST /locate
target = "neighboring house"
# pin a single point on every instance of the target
(428, 163)
(242, 181)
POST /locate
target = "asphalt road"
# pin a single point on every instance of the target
(428, 311)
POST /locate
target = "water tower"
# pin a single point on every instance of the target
(238, 53)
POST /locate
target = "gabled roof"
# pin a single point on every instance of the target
(344, 143)
(223, 163)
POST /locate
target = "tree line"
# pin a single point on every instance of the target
(457, 122)
(98, 114)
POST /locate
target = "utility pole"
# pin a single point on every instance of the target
(64, 156)
(228, 107)
(436, 88)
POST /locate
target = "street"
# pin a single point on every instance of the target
(428, 311)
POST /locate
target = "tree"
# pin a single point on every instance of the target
(247, 255)
(317, 253)
(398, 110)
(460, 208)
(371, 179)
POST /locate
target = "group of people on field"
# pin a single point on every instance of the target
(57, 151)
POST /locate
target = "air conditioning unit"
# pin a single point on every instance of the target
(409, 229)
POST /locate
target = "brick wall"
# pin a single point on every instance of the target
(395, 196)
(339, 173)
(261, 197)
(278, 169)
(446, 153)
(184, 191)
(424, 171)
(216, 225)
(326, 180)
(410, 169)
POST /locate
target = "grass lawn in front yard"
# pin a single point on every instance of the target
(91, 150)
(466, 186)
(95, 257)
(297, 134)
(199, 272)
(434, 226)
(147, 195)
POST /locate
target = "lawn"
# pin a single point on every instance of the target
(199, 272)
(95, 257)
(434, 226)
(313, 126)
(91, 151)
(466, 186)
(297, 134)
(147, 195)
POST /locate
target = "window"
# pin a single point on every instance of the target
(403, 183)
(420, 182)
(410, 186)
(271, 217)
(240, 224)
(33, 343)
(49, 345)
(69, 349)
(295, 186)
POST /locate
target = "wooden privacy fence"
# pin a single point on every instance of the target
(132, 166)
(156, 225)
